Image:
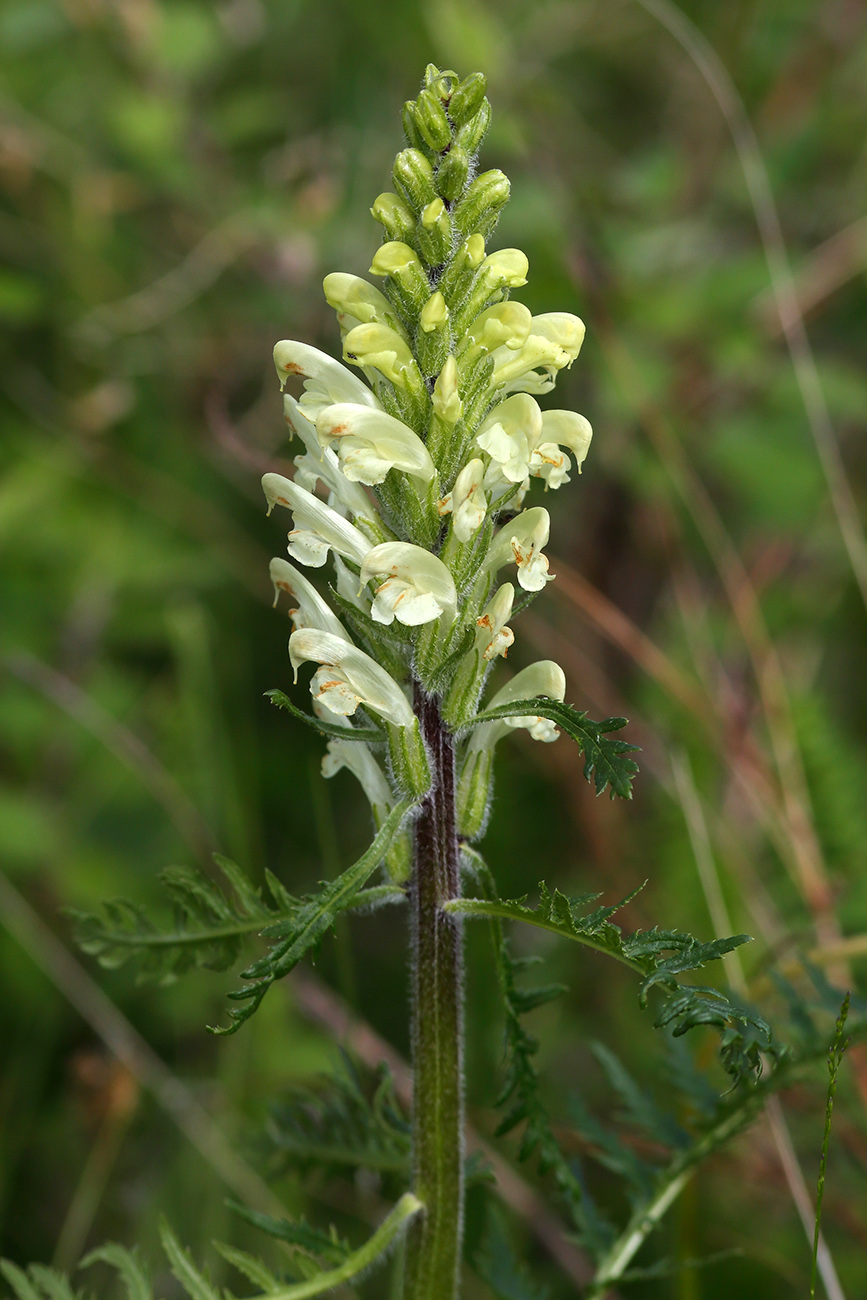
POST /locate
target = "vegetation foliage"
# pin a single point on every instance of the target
(176, 179)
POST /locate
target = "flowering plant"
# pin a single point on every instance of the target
(413, 485)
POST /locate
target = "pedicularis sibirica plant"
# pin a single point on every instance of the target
(413, 504)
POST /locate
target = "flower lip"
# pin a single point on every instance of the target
(326, 379)
(370, 443)
(317, 520)
(418, 588)
(312, 610)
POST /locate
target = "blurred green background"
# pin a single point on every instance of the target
(177, 177)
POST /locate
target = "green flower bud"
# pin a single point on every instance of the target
(474, 792)
(432, 74)
(459, 273)
(430, 118)
(466, 100)
(392, 212)
(408, 756)
(471, 135)
(413, 135)
(505, 269)
(432, 343)
(413, 179)
(434, 234)
(406, 274)
(480, 207)
(358, 303)
(452, 173)
(446, 397)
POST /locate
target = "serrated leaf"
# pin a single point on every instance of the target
(370, 735)
(326, 1245)
(605, 760)
(315, 915)
(498, 1267)
(194, 1283)
(658, 956)
(345, 1123)
(210, 924)
(127, 1264)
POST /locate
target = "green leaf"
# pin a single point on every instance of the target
(346, 1123)
(133, 1275)
(250, 1267)
(440, 677)
(194, 1283)
(498, 1267)
(605, 760)
(327, 1246)
(371, 735)
(658, 956)
(314, 916)
(210, 924)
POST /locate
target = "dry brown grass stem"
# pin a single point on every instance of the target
(125, 1042)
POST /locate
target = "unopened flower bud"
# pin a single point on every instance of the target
(430, 118)
(473, 132)
(393, 213)
(505, 269)
(467, 98)
(387, 352)
(401, 263)
(434, 234)
(446, 398)
(414, 137)
(359, 303)
(459, 273)
(432, 342)
(452, 173)
(413, 179)
(480, 207)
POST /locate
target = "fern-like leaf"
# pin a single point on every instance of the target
(606, 760)
(658, 956)
(345, 1124)
(128, 1265)
(309, 922)
(498, 1268)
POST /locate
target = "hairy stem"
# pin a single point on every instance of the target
(434, 1238)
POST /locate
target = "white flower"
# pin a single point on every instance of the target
(522, 541)
(552, 342)
(493, 637)
(321, 463)
(359, 303)
(509, 435)
(370, 443)
(348, 677)
(544, 678)
(357, 758)
(312, 610)
(466, 502)
(318, 528)
(325, 380)
(560, 429)
(418, 589)
(522, 441)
